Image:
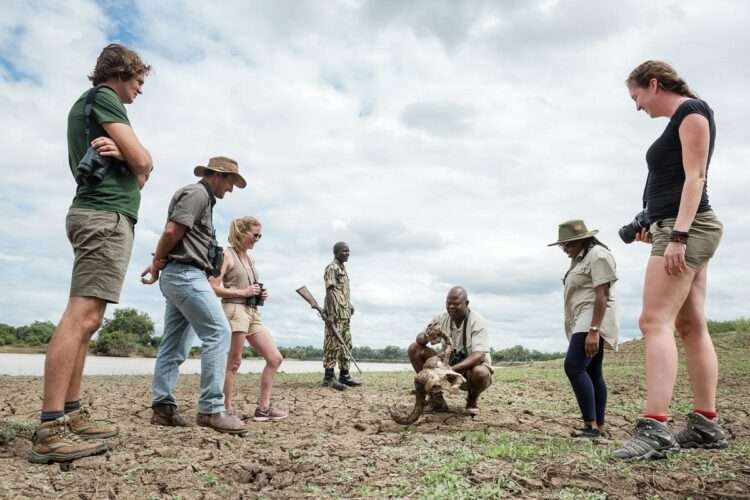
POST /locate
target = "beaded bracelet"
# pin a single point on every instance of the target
(678, 237)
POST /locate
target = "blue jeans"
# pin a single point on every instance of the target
(585, 375)
(191, 302)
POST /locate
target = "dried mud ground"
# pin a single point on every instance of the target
(344, 445)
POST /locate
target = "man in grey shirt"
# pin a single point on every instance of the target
(186, 253)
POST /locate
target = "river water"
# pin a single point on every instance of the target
(33, 365)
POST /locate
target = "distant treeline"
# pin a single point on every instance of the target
(131, 333)
(127, 333)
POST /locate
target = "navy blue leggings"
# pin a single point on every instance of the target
(585, 375)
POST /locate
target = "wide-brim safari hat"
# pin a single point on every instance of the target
(572, 230)
(225, 165)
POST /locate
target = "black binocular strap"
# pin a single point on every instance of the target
(88, 111)
(466, 321)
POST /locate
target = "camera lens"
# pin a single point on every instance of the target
(627, 232)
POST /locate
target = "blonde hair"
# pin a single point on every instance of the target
(238, 228)
(663, 73)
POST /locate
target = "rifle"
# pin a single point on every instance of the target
(308, 297)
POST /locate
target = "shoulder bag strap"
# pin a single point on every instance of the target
(466, 322)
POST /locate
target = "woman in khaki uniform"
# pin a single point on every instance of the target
(241, 293)
(590, 320)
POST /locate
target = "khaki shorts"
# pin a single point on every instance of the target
(102, 242)
(243, 318)
(703, 240)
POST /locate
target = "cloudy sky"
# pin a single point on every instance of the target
(444, 140)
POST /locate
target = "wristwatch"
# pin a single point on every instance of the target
(594, 329)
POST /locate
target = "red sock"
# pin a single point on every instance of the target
(709, 414)
(659, 418)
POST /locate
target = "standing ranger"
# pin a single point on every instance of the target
(338, 307)
(110, 167)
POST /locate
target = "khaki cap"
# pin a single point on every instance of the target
(572, 230)
(225, 165)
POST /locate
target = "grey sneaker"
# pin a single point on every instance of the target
(651, 439)
(269, 413)
(702, 433)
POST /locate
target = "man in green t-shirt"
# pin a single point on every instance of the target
(99, 226)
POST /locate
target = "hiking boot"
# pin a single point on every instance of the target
(269, 413)
(329, 380)
(702, 432)
(587, 433)
(80, 423)
(53, 442)
(651, 439)
(347, 379)
(166, 414)
(436, 404)
(221, 422)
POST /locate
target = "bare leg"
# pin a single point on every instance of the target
(64, 363)
(702, 364)
(663, 297)
(479, 379)
(264, 344)
(74, 389)
(234, 360)
(418, 354)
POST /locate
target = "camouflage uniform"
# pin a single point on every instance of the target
(338, 307)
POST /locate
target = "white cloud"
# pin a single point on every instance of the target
(443, 140)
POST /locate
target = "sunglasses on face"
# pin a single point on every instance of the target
(256, 236)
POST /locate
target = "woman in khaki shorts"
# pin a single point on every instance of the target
(241, 293)
(684, 233)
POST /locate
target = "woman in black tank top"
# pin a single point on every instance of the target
(684, 234)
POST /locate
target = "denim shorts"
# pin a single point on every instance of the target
(703, 238)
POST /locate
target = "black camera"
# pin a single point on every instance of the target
(259, 300)
(93, 167)
(639, 222)
(457, 357)
(216, 258)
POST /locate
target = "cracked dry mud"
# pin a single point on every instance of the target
(345, 445)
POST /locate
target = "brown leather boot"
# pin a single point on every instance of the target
(222, 422)
(80, 423)
(53, 442)
(165, 414)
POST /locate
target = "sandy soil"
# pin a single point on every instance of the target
(344, 445)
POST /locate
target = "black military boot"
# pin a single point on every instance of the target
(347, 379)
(329, 380)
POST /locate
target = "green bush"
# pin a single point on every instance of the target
(37, 333)
(129, 320)
(7, 334)
(116, 343)
(736, 325)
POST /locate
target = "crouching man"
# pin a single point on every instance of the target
(471, 356)
(186, 253)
